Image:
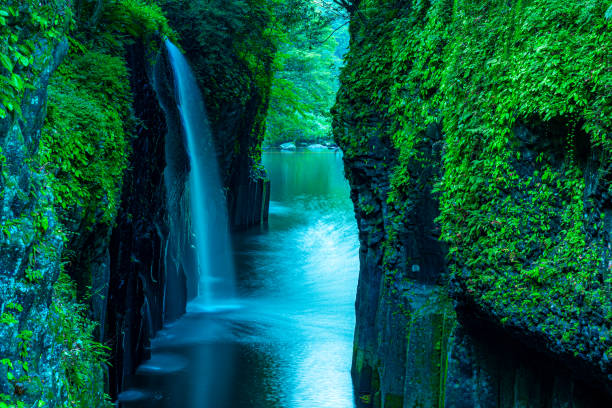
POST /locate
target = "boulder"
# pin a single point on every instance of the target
(288, 146)
(316, 147)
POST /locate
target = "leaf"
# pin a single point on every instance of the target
(25, 61)
(6, 62)
(17, 82)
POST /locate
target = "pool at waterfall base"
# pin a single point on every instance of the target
(286, 340)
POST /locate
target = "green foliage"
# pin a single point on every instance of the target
(305, 80)
(112, 24)
(139, 18)
(526, 231)
(230, 47)
(85, 144)
(83, 359)
(18, 19)
(524, 237)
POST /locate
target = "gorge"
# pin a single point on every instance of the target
(155, 251)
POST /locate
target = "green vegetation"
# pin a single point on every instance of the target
(84, 145)
(81, 158)
(19, 19)
(521, 91)
(86, 135)
(527, 229)
(82, 358)
(306, 71)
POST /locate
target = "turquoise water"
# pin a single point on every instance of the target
(287, 341)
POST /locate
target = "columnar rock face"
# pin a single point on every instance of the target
(143, 265)
(149, 278)
(484, 240)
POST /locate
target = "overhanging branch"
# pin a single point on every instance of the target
(348, 5)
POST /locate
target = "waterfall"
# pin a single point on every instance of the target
(209, 221)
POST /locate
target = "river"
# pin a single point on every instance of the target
(287, 342)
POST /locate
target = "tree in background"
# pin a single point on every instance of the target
(306, 71)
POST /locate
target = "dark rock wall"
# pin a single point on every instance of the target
(238, 134)
(142, 270)
(404, 319)
(488, 368)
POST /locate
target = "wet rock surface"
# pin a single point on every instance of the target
(29, 254)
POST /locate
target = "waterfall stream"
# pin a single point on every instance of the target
(209, 221)
(290, 344)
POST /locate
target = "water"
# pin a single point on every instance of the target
(208, 210)
(289, 345)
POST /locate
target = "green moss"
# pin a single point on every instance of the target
(394, 401)
(19, 20)
(525, 232)
(431, 320)
(524, 244)
(84, 147)
(141, 19)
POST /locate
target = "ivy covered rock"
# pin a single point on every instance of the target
(477, 139)
(86, 261)
(35, 339)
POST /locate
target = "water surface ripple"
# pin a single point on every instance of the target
(287, 341)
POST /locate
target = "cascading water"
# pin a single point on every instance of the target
(209, 221)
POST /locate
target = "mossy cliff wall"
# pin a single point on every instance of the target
(40, 321)
(88, 121)
(477, 139)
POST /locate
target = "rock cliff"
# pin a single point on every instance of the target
(88, 197)
(480, 182)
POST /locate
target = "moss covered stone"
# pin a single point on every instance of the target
(503, 108)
